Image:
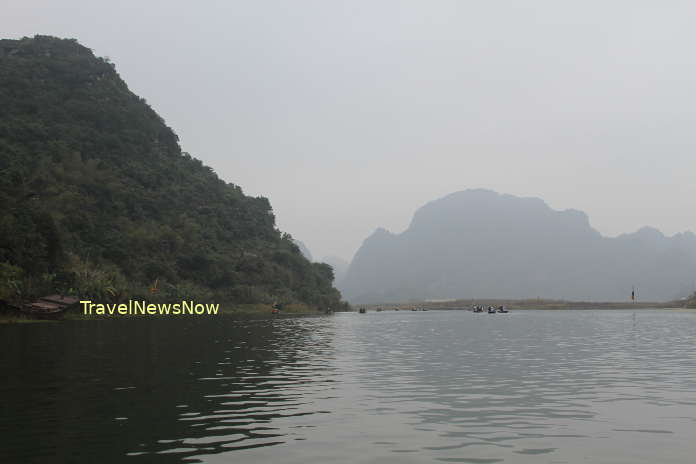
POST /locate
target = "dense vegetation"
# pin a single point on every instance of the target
(97, 198)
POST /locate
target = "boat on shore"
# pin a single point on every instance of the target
(49, 307)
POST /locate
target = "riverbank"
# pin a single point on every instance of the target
(535, 303)
(8, 316)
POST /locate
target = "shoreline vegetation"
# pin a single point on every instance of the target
(8, 315)
(535, 303)
(260, 310)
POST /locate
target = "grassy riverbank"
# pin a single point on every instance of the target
(526, 304)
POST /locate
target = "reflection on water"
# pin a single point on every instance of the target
(527, 387)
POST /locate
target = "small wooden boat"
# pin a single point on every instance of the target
(49, 307)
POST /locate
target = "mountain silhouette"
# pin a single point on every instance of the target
(481, 244)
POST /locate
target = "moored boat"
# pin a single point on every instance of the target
(49, 307)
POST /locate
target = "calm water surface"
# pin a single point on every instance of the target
(389, 387)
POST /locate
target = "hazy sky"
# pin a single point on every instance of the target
(349, 115)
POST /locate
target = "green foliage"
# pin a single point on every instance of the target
(691, 303)
(97, 195)
(101, 282)
(11, 278)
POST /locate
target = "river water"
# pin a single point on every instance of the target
(383, 387)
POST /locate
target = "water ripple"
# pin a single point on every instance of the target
(529, 387)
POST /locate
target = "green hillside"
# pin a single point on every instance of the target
(97, 198)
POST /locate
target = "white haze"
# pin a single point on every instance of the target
(349, 115)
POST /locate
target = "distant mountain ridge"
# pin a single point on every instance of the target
(339, 265)
(481, 244)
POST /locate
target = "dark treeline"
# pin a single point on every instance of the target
(97, 198)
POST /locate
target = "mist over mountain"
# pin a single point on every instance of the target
(481, 244)
(303, 249)
(339, 265)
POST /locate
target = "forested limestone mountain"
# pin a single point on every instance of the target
(96, 196)
(480, 244)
